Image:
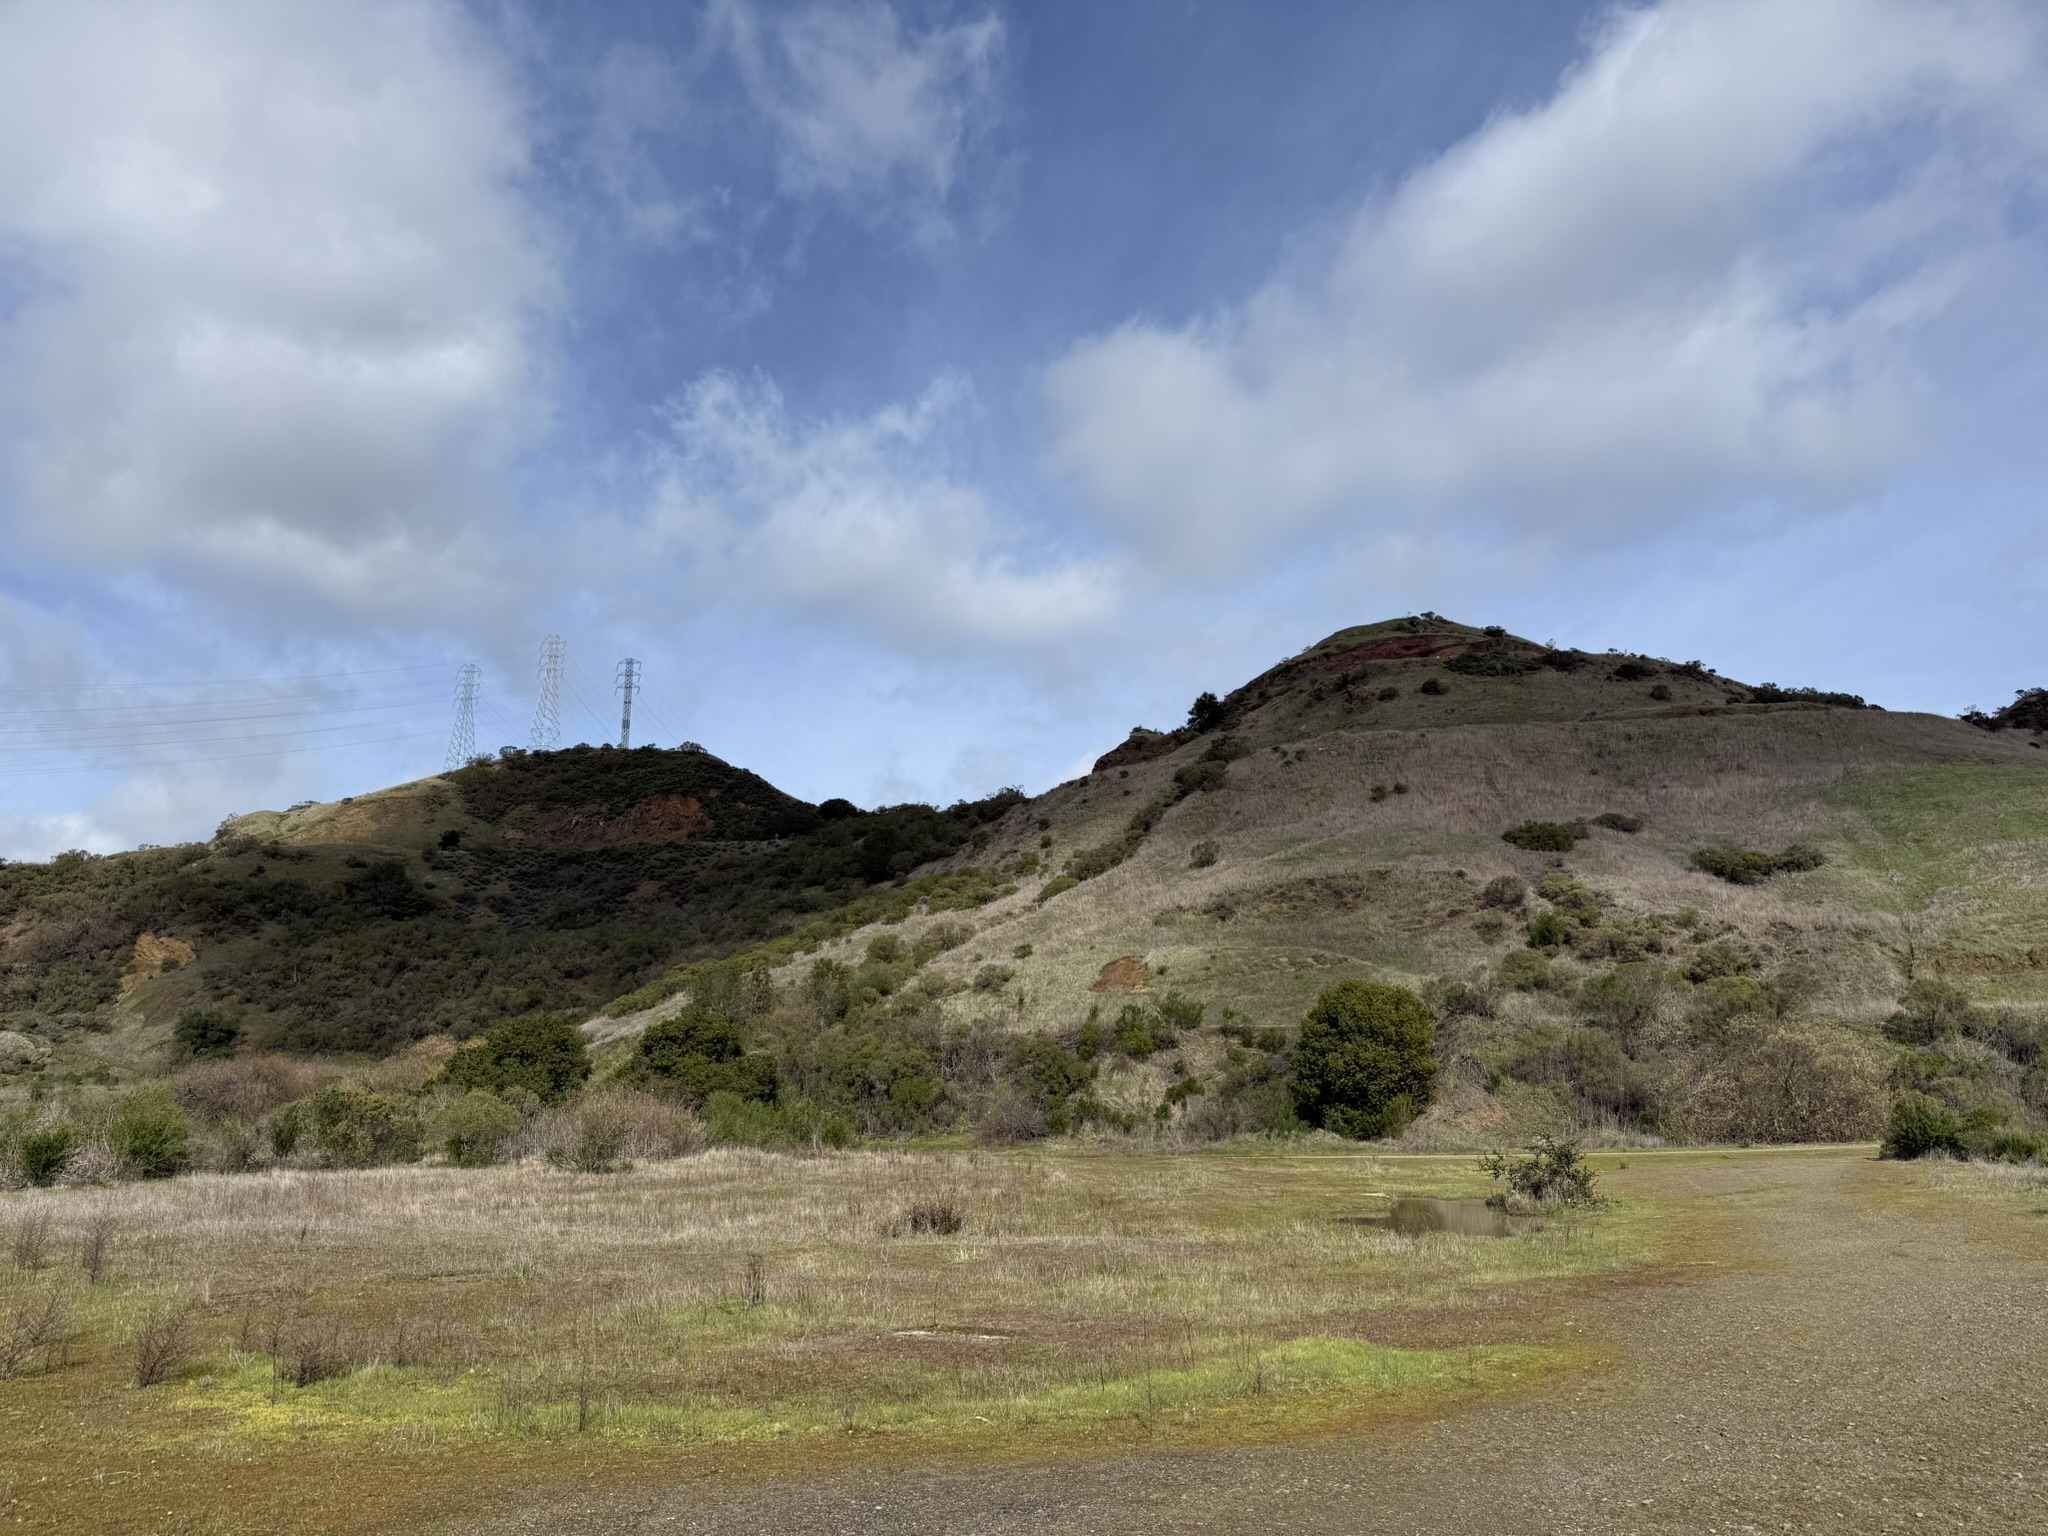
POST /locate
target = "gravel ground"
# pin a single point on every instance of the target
(1872, 1359)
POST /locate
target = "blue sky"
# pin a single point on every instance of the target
(925, 393)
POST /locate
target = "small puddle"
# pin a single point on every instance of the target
(1415, 1215)
(949, 1336)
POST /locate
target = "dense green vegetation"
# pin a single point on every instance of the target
(311, 947)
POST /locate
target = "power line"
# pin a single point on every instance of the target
(221, 682)
(225, 757)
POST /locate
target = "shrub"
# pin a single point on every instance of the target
(1202, 855)
(1524, 970)
(162, 1345)
(1547, 930)
(246, 1088)
(1771, 1081)
(1551, 1173)
(1055, 886)
(993, 978)
(205, 1032)
(1617, 821)
(1434, 686)
(1748, 866)
(1633, 671)
(1387, 693)
(1201, 778)
(1480, 664)
(352, 1129)
(1140, 1031)
(1661, 693)
(543, 1053)
(1181, 1012)
(1206, 713)
(1545, 836)
(929, 1218)
(1918, 1126)
(702, 1053)
(45, 1153)
(1625, 999)
(598, 1130)
(474, 1129)
(1503, 893)
(730, 1120)
(150, 1134)
(1932, 1011)
(1365, 1062)
(1718, 959)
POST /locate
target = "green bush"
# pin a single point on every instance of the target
(1365, 1062)
(286, 1129)
(1202, 855)
(1749, 866)
(1932, 1011)
(1181, 1012)
(1552, 1172)
(543, 1053)
(1434, 687)
(703, 1053)
(474, 1129)
(1055, 886)
(1204, 777)
(1545, 836)
(1140, 1031)
(1525, 970)
(1547, 930)
(45, 1153)
(353, 1129)
(732, 1121)
(1206, 713)
(150, 1134)
(1920, 1125)
(1491, 664)
(205, 1032)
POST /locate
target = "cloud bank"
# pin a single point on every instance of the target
(276, 289)
(1738, 255)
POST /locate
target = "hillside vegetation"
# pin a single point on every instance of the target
(1638, 898)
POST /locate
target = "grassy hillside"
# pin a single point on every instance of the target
(1132, 950)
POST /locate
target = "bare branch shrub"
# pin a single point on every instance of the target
(34, 1330)
(246, 1088)
(95, 1244)
(31, 1249)
(162, 1343)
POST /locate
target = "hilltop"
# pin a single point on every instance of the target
(1163, 921)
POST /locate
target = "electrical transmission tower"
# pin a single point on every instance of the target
(628, 680)
(462, 740)
(547, 717)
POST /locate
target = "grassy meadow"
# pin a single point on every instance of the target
(342, 1346)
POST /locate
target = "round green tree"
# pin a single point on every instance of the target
(1366, 1060)
(543, 1053)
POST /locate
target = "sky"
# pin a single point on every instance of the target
(926, 393)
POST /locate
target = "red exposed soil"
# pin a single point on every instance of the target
(657, 819)
(1127, 973)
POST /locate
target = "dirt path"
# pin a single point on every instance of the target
(1878, 1362)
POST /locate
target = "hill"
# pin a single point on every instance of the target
(1729, 910)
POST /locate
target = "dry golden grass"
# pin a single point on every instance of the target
(740, 1299)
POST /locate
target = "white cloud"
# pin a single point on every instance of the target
(875, 115)
(278, 289)
(1741, 253)
(854, 522)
